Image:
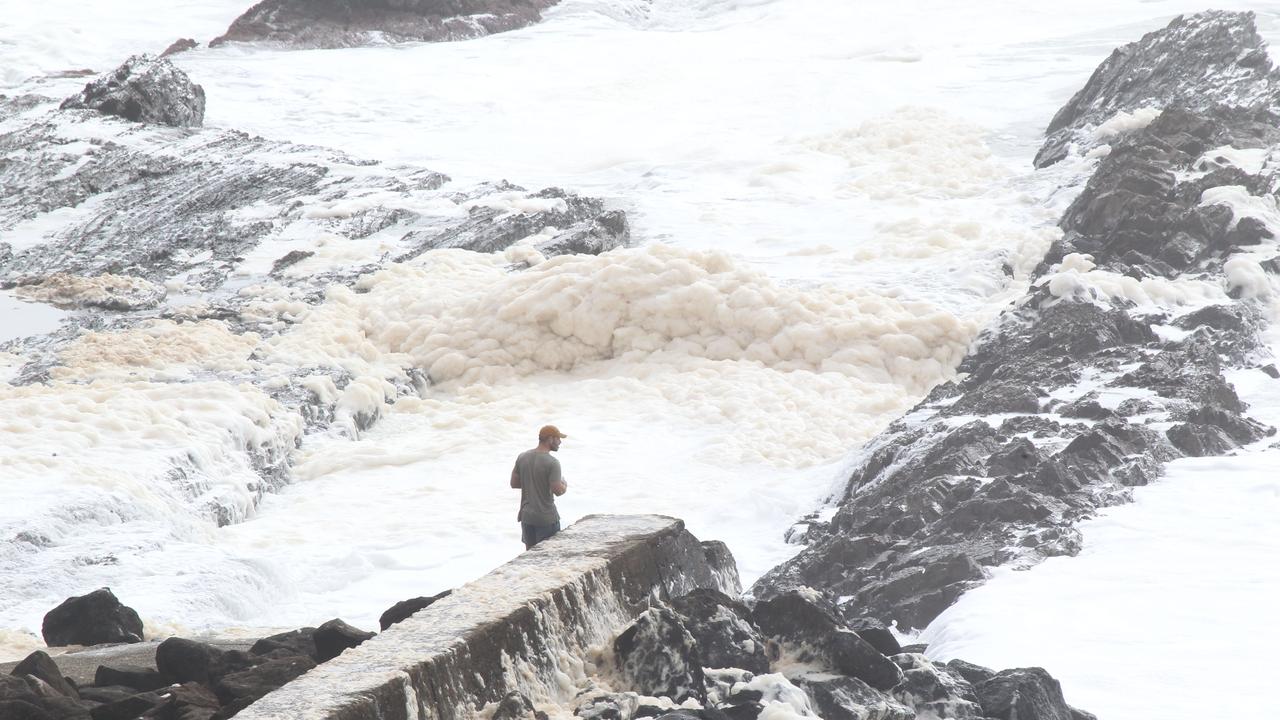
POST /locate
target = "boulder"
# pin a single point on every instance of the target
(336, 636)
(722, 628)
(969, 671)
(935, 689)
(836, 697)
(144, 89)
(127, 709)
(352, 23)
(39, 665)
(139, 678)
(1023, 694)
(23, 710)
(181, 660)
(189, 701)
(804, 620)
(298, 642)
(659, 657)
(406, 608)
(91, 619)
(515, 706)
(244, 686)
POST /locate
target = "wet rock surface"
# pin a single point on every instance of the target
(353, 23)
(817, 664)
(1089, 384)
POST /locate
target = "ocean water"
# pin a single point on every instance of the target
(824, 198)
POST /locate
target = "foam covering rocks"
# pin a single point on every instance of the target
(815, 664)
(144, 89)
(1114, 363)
(352, 23)
(176, 252)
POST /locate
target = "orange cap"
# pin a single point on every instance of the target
(550, 431)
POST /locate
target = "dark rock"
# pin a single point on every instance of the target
(23, 710)
(127, 709)
(722, 628)
(178, 46)
(14, 687)
(974, 674)
(659, 657)
(139, 678)
(106, 695)
(516, 706)
(915, 648)
(406, 608)
(352, 23)
(936, 689)
(254, 682)
(807, 622)
(181, 660)
(39, 665)
(745, 710)
(92, 619)
(335, 636)
(1199, 440)
(1022, 693)
(144, 89)
(298, 642)
(878, 637)
(844, 698)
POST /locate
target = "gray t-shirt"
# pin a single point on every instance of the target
(537, 470)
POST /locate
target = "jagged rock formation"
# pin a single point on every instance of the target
(144, 89)
(1114, 363)
(352, 23)
(1203, 62)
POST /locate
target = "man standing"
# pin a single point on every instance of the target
(537, 476)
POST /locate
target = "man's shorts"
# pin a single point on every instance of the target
(533, 534)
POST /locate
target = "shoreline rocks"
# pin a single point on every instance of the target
(1114, 363)
(353, 23)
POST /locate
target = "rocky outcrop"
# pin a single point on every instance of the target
(92, 619)
(816, 665)
(144, 89)
(352, 23)
(1114, 362)
(1212, 61)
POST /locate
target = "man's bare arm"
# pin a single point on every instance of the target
(515, 479)
(559, 486)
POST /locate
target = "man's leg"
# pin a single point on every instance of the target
(528, 534)
(537, 533)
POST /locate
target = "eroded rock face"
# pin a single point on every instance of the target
(1082, 389)
(352, 23)
(144, 89)
(92, 619)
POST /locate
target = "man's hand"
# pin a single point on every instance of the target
(515, 479)
(559, 487)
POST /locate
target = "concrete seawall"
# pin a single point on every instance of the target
(525, 626)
